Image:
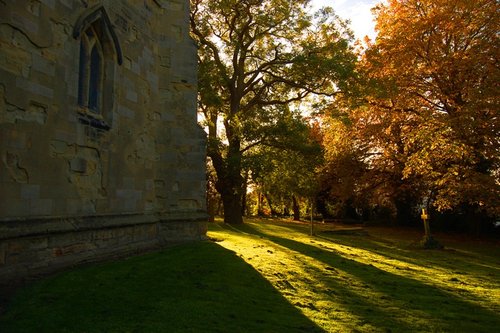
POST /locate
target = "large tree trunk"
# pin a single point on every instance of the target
(229, 181)
(230, 188)
(232, 208)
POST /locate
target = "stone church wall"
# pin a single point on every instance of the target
(100, 151)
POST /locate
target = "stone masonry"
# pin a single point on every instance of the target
(100, 151)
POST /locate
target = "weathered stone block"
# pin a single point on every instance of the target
(43, 65)
(34, 88)
(41, 207)
(78, 164)
(30, 191)
(126, 112)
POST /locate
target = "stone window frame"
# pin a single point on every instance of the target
(99, 54)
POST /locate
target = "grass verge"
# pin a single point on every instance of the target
(273, 277)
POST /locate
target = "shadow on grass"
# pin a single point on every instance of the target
(190, 288)
(470, 263)
(382, 299)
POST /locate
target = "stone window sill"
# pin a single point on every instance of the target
(87, 117)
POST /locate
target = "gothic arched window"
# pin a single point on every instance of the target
(99, 52)
(91, 73)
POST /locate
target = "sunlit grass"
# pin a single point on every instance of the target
(348, 283)
(271, 276)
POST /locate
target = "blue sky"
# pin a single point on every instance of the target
(357, 11)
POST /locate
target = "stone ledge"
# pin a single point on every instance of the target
(24, 227)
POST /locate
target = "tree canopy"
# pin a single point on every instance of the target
(428, 123)
(256, 58)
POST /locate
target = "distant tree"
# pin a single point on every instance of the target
(286, 174)
(255, 57)
(365, 156)
(213, 197)
(345, 165)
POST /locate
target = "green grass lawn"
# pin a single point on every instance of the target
(273, 277)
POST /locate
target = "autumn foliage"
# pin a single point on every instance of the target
(424, 128)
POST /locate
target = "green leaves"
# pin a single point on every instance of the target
(255, 59)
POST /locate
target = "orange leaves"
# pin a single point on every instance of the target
(432, 100)
(439, 54)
